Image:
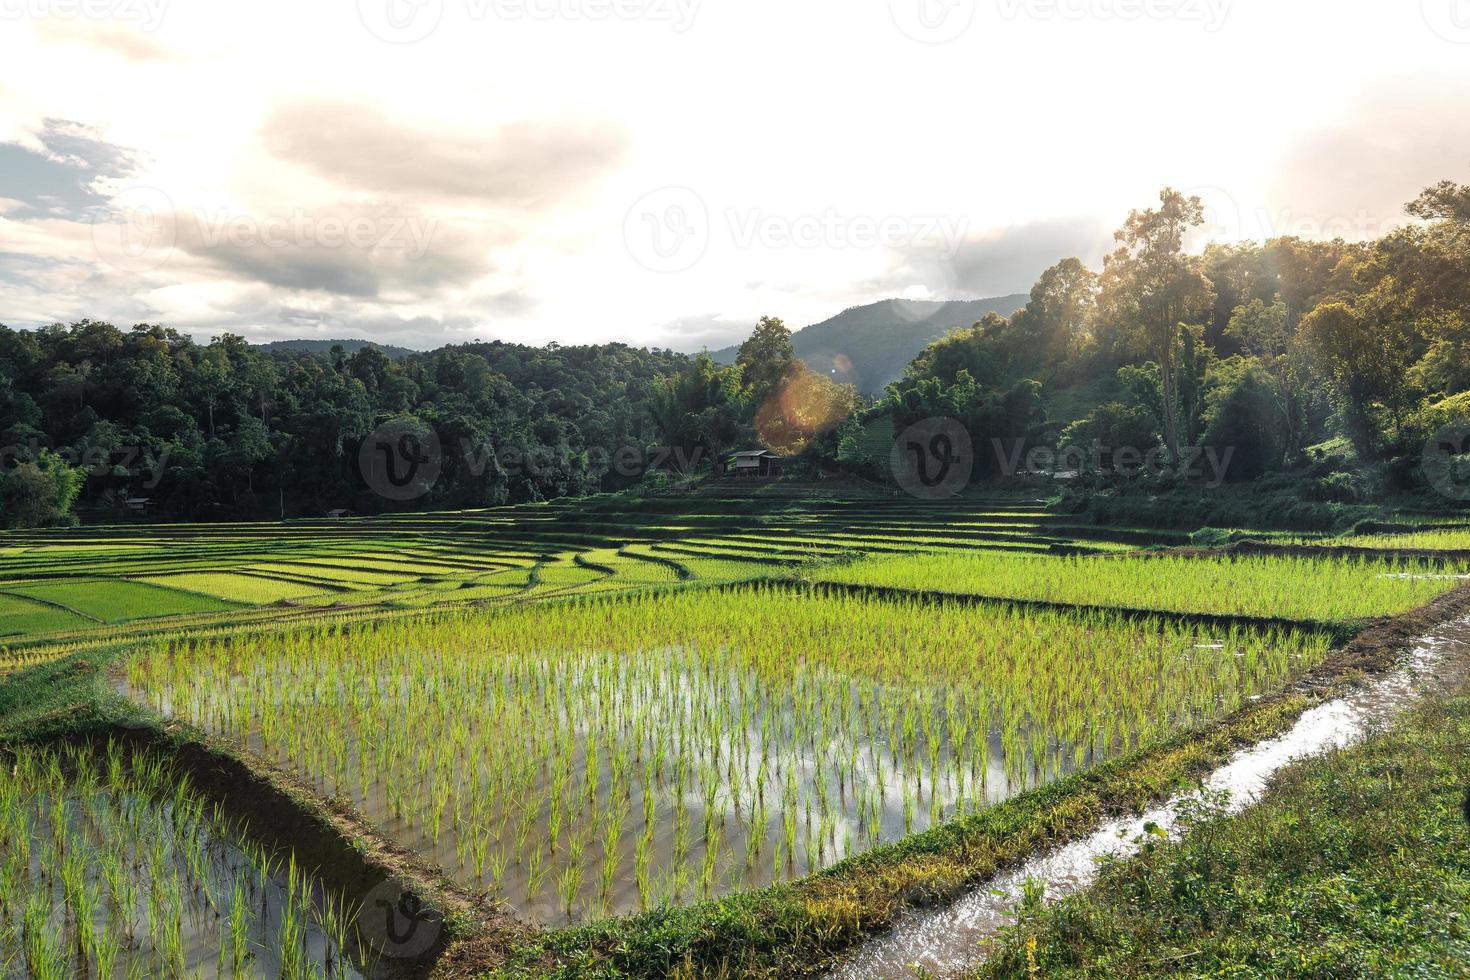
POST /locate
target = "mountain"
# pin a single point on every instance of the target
(869, 346)
(325, 347)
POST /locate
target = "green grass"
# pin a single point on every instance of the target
(1262, 585)
(831, 667)
(1356, 864)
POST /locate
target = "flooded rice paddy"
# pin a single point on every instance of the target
(110, 866)
(601, 757)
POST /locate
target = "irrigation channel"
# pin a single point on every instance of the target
(947, 940)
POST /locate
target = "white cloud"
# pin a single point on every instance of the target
(525, 134)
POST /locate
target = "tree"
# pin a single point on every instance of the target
(1362, 351)
(982, 352)
(766, 357)
(700, 406)
(1114, 426)
(1151, 289)
(1242, 414)
(1055, 327)
(1264, 332)
(39, 492)
(1445, 368)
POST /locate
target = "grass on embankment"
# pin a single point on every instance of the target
(1356, 864)
(66, 697)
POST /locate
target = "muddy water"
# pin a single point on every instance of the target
(946, 941)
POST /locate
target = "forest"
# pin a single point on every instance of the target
(1318, 364)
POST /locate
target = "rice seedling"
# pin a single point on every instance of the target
(1286, 587)
(253, 589)
(711, 741)
(112, 865)
(1442, 539)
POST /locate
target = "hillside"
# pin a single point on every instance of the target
(869, 346)
(325, 347)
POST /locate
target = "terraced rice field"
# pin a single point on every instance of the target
(1443, 539)
(601, 756)
(234, 587)
(1286, 587)
(21, 616)
(116, 601)
(585, 712)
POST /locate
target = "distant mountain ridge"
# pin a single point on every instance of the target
(869, 346)
(865, 346)
(325, 347)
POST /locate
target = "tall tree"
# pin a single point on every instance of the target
(766, 357)
(1151, 288)
(1054, 328)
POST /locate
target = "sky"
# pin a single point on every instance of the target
(664, 172)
